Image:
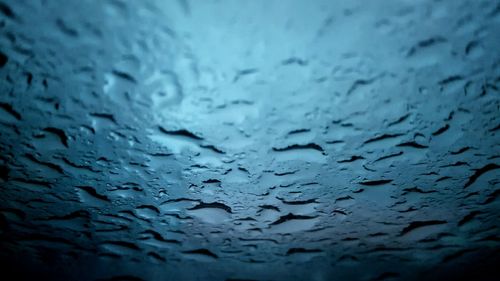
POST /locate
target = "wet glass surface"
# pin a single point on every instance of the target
(250, 140)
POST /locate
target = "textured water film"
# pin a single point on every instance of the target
(249, 140)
